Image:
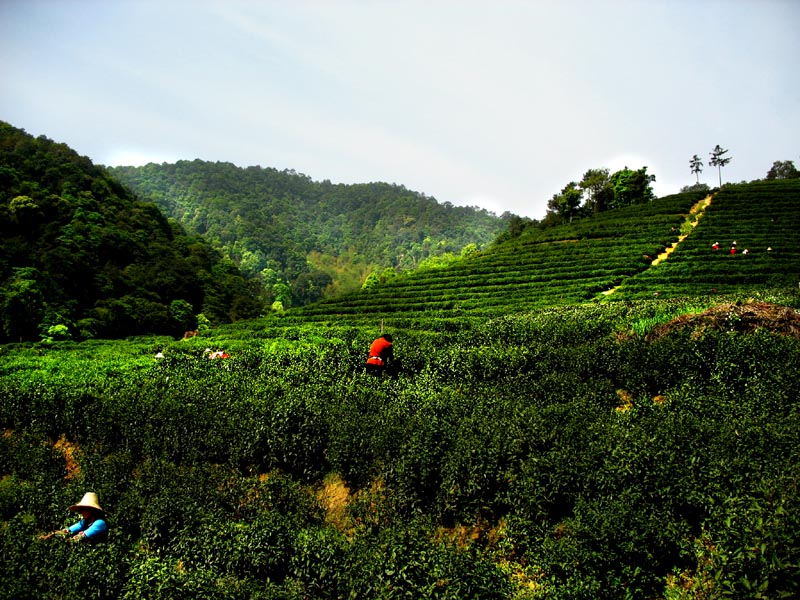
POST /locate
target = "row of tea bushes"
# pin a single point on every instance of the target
(607, 258)
(557, 454)
(561, 265)
(762, 217)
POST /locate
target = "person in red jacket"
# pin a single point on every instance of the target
(381, 356)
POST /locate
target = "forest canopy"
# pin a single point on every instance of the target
(80, 257)
(302, 239)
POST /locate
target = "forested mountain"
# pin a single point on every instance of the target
(81, 257)
(305, 239)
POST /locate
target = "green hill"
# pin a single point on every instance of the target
(305, 239)
(662, 248)
(762, 219)
(81, 257)
(558, 430)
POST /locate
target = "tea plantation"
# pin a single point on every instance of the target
(557, 266)
(760, 221)
(544, 440)
(614, 252)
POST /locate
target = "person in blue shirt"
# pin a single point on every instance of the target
(92, 527)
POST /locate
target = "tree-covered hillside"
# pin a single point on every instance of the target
(81, 257)
(305, 239)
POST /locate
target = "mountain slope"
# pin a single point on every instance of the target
(757, 227)
(312, 238)
(616, 251)
(80, 254)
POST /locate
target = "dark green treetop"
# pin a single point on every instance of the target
(76, 249)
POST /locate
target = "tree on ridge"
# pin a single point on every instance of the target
(697, 166)
(719, 160)
(783, 169)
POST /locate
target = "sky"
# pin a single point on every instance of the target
(497, 104)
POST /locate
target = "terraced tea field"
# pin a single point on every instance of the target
(612, 256)
(543, 440)
(558, 266)
(761, 221)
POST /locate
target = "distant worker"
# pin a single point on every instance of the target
(381, 357)
(92, 527)
(733, 249)
(715, 246)
(746, 251)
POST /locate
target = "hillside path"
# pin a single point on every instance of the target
(692, 219)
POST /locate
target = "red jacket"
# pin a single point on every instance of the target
(379, 351)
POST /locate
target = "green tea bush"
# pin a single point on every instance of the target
(407, 562)
(258, 549)
(166, 577)
(319, 561)
(57, 568)
(591, 452)
(756, 548)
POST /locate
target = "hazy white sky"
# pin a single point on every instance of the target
(492, 103)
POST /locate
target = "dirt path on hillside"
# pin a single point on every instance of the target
(692, 220)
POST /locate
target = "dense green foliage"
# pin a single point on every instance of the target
(762, 220)
(598, 191)
(564, 427)
(613, 256)
(305, 239)
(783, 169)
(80, 257)
(541, 267)
(559, 454)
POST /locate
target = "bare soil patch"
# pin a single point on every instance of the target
(334, 496)
(70, 451)
(740, 318)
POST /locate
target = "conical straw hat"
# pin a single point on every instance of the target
(89, 500)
